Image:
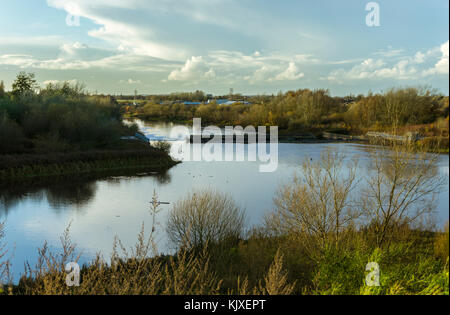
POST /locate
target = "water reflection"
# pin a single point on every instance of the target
(65, 192)
(73, 193)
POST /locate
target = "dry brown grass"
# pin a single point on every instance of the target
(141, 271)
(186, 273)
(441, 246)
(4, 261)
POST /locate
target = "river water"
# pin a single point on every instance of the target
(100, 209)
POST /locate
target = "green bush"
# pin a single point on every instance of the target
(11, 135)
(163, 146)
(61, 111)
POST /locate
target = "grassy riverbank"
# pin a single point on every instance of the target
(414, 262)
(135, 156)
(49, 161)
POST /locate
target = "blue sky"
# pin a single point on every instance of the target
(253, 46)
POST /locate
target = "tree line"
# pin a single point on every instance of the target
(58, 117)
(306, 109)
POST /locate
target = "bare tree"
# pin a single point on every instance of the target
(401, 187)
(318, 204)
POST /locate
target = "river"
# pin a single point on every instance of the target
(100, 209)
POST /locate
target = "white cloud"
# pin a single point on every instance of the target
(226, 66)
(292, 73)
(442, 66)
(260, 75)
(258, 67)
(145, 33)
(419, 57)
(48, 40)
(23, 61)
(195, 69)
(270, 72)
(394, 65)
(158, 28)
(376, 69)
(78, 56)
(54, 82)
(130, 82)
(73, 48)
(389, 52)
(124, 33)
(159, 36)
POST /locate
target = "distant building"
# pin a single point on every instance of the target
(221, 102)
(227, 102)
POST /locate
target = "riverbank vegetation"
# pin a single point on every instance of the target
(327, 225)
(60, 129)
(398, 111)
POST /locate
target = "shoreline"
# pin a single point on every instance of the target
(30, 166)
(319, 136)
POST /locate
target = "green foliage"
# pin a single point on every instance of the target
(60, 111)
(339, 272)
(18, 167)
(441, 247)
(401, 276)
(61, 130)
(11, 135)
(2, 89)
(163, 146)
(24, 83)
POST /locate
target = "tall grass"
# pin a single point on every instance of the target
(139, 271)
(4, 260)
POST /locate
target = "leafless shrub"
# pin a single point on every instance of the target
(205, 217)
(317, 206)
(402, 186)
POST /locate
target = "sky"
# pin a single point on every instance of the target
(252, 46)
